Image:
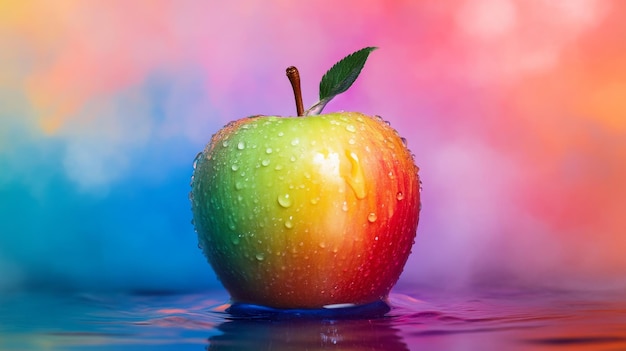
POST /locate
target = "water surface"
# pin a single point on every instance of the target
(417, 321)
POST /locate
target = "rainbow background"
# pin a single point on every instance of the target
(515, 110)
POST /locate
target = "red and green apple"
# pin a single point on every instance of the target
(311, 210)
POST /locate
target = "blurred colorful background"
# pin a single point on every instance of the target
(515, 110)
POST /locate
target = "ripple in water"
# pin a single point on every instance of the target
(518, 321)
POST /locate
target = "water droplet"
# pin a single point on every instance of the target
(351, 128)
(280, 134)
(315, 200)
(234, 167)
(351, 141)
(356, 180)
(295, 142)
(278, 167)
(288, 224)
(322, 245)
(268, 150)
(292, 158)
(260, 256)
(225, 143)
(241, 145)
(238, 185)
(372, 217)
(265, 162)
(235, 240)
(345, 206)
(285, 200)
(195, 160)
(399, 196)
(404, 142)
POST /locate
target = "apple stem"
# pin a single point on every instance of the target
(294, 79)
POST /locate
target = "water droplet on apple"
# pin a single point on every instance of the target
(350, 128)
(345, 206)
(232, 226)
(315, 200)
(295, 142)
(285, 200)
(292, 158)
(265, 162)
(235, 240)
(192, 198)
(238, 185)
(268, 150)
(260, 256)
(280, 134)
(288, 224)
(225, 143)
(404, 142)
(278, 167)
(351, 141)
(196, 159)
(356, 179)
(372, 217)
(399, 196)
(322, 245)
(241, 145)
(234, 167)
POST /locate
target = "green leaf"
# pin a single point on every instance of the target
(340, 77)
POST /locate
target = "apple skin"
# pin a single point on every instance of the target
(303, 212)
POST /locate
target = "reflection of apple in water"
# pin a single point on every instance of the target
(302, 212)
(308, 334)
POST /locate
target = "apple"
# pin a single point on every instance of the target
(306, 211)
